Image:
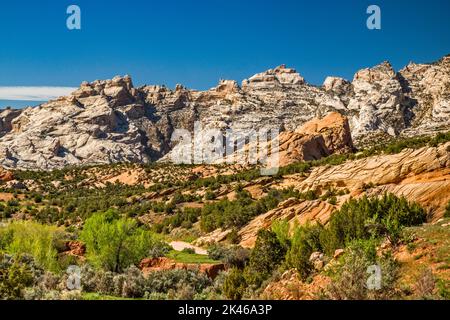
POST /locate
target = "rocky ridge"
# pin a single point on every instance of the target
(113, 121)
(421, 175)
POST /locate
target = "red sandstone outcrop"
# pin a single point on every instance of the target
(334, 129)
(75, 249)
(422, 176)
(6, 175)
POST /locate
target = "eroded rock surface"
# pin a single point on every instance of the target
(113, 121)
(421, 176)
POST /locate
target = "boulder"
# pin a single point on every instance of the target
(75, 248)
(316, 256)
(338, 253)
(336, 84)
(279, 76)
(318, 260)
(334, 129)
(6, 175)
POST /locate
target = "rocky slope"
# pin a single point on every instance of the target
(112, 121)
(421, 175)
(316, 139)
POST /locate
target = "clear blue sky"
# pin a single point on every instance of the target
(197, 42)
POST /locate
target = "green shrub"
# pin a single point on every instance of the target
(188, 250)
(159, 249)
(267, 254)
(32, 238)
(37, 198)
(234, 256)
(133, 284)
(443, 287)
(281, 229)
(367, 218)
(6, 237)
(305, 241)
(447, 211)
(332, 200)
(16, 274)
(351, 275)
(361, 219)
(114, 243)
(234, 285)
(210, 195)
(166, 280)
(233, 237)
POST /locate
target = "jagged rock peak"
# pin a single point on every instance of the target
(111, 121)
(227, 86)
(117, 81)
(445, 59)
(383, 71)
(336, 84)
(112, 87)
(281, 75)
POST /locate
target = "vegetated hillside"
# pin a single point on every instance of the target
(309, 232)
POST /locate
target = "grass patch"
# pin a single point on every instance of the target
(437, 236)
(184, 257)
(97, 296)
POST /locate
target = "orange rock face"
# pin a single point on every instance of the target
(334, 129)
(296, 147)
(316, 139)
(75, 248)
(6, 175)
(291, 287)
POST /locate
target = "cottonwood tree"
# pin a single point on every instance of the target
(115, 243)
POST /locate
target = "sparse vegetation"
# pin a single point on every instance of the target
(120, 224)
(447, 211)
(350, 278)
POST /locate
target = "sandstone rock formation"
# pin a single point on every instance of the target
(422, 176)
(74, 249)
(296, 147)
(6, 175)
(315, 139)
(428, 163)
(334, 129)
(113, 121)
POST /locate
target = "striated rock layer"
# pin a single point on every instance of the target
(422, 176)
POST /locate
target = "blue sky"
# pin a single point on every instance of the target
(198, 42)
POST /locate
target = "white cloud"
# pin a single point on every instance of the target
(33, 93)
